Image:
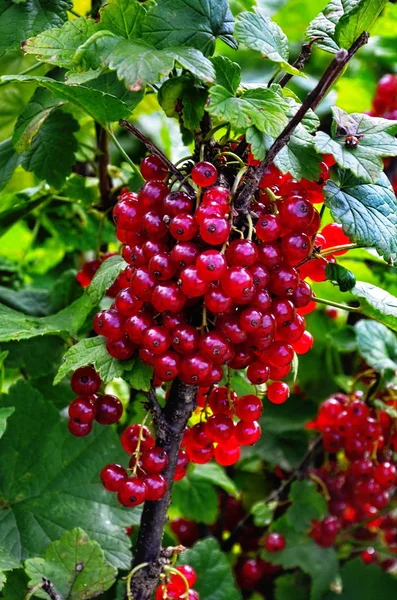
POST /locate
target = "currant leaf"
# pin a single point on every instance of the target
(9, 161)
(377, 345)
(340, 276)
(360, 18)
(377, 303)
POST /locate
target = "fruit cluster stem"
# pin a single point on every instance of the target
(311, 101)
(170, 424)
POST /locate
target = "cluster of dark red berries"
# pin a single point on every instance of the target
(360, 484)
(143, 480)
(179, 585)
(200, 294)
(89, 405)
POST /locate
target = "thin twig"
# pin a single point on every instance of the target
(311, 101)
(154, 150)
(50, 590)
(300, 62)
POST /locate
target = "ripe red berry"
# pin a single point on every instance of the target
(247, 432)
(219, 428)
(227, 455)
(153, 167)
(154, 460)
(130, 437)
(113, 477)
(82, 410)
(79, 429)
(211, 265)
(156, 487)
(278, 392)
(249, 408)
(204, 174)
(132, 492)
(108, 410)
(85, 381)
(274, 542)
(215, 230)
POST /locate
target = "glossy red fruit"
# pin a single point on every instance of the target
(86, 382)
(214, 347)
(194, 369)
(295, 247)
(304, 344)
(151, 195)
(108, 409)
(126, 303)
(237, 282)
(204, 174)
(215, 230)
(191, 284)
(296, 213)
(176, 203)
(79, 429)
(278, 392)
(334, 236)
(153, 167)
(211, 265)
(136, 325)
(274, 542)
(130, 437)
(284, 281)
(121, 349)
(184, 254)
(183, 227)
(156, 487)
(156, 339)
(249, 408)
(167, 366)
(258, 373)
(82, 410)
(168, 297)
(227, 455)
(113, 477)
(178, 584)
(247, 432)
(219, 428)
(200, 455)
(242, 253)
(162, 267)
(154, 460)
(132, 492)
(268, 228)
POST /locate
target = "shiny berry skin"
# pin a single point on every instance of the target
(227, 455)
(249, 408)
(109, 323)
(136, 325)
(218, 194)
(302, 295)
(304, 344)
(178, 584)
(214, 347)
(183, 227)
(126, 303)
(127, 215)
(181, 465)
(151, 195)
(216, 300)
(130, 437)
(191, 284)
(278, 392)
(113, 477)
(231, 329)
(176, 203)
(132, 492)
(154, 460)
(211, 265)
(164, 592)
(236, 282)
(162, 266)
(168, 296)
(219, 428)
(385, 474)
(142, 284)
(156, 487)
(153, 225)
(82, 410)
(121, 349)
(284, 281)
(274, 542)
(108, 410)
(194, 369)
(167, 366)
(334, 236)
(185, 339)
(250, 319)
(369, 556)
(295, 247)
(247, 432)
(85, 381)
(242, 253)
(79, 429)
(222, 401)
(156, 339)
(204, 174)
(200, 455)
(296, 213)
(270, 255)
(153, 167)
(215, 230)
(268, 228)
(258, 373)
(280, 354)
(184, 254)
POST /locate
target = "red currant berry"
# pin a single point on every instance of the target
(153, 167)
(108, 409)
(278, 392)
(132, 492)
(156, 487)
(82, 410)
(113, 477)
(204, 174)
(79, 429)
(249, 408)
(247, 432)
(154, 460)
(274, 542)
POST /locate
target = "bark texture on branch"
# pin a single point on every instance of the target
(50, 590)
(312, 100)
(170, 425)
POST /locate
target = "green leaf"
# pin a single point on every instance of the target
(215, 474)
(365, 582)
(182, 91)
(30, 121)
(196, 499)
(366, 211)
(258, 32)
(377, 303)
(198, 24)
(193, 61)
(4, 414)
(375, 140)
(19, 22)
(57, 46)
(307, 505)
(227, 73)
(300, 157)
(343, 339)
(323, 26)
(104, 277)
(45, 498)
(262, 513)
(140, 376)
(91, 351)
(22, 207)
(377, 345)
(103, 108)
(74, 565)
(123, 18)
(215, 579)
(7, 561)
(51, 155)
(340, 276)
(289, 588)
(263, 107)
(361, 18)
(16, 585)
(9, 161)
(37, 357)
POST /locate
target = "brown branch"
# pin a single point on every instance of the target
(312, 100)
(174, 416)
(154, 150)
(279, 494)
(300, 62)
(50, 590)
(105, 183)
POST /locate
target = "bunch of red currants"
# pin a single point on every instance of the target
(179, 585)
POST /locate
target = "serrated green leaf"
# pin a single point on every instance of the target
(4, 414)
(262, 513)
(7, 561)
(140, 376)
(215, 579)
(300, 157)
(198, 25)
(377, 303)
(21, 21)
(263, 107)
(193, 61)
(365, 582)
(360, 18)
(123, 18)
(323, 26)
(52, 154)
(57, 46)
(377, 345)
(258, 32)
(181, 97)
(75, 566)
(227, 73)
(103, 108)
(45, 498)
(215, 474)
(366, 211)
(196, 499)
(340, 276)
(307, 505)
(104, 277)
(9, 161)
(375, 140)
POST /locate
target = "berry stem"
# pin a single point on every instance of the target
(337, 304)
(311, 101)
(138, 446)
(250, 227)
(237, 158)
(130, 576)
(154, 150)
(300, 62)
(333, 249)
(170, 425)
(124, 153)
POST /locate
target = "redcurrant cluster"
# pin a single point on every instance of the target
(360, 484)
(89, 405)
(143, 480)
(178, 585)
(385, 100)
(202, 294)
